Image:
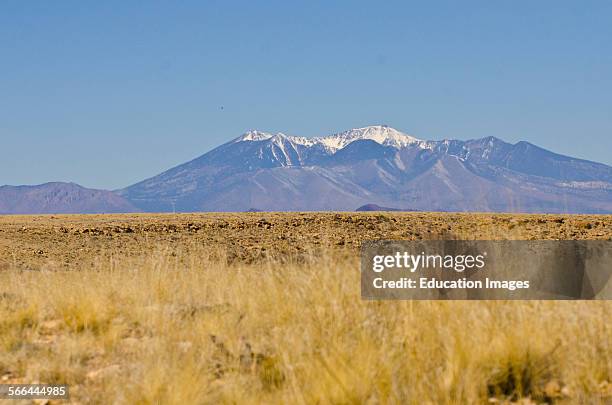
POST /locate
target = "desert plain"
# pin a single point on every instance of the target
(266, 308)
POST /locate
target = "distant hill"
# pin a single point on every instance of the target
(374, 207)
(60, 198)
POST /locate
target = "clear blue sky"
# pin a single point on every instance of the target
(108, 93)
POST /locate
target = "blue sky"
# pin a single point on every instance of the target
(108, 93)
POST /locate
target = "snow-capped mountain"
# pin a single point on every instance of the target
(363, 168)
(377, 165)
(272, 150)
(381, 134)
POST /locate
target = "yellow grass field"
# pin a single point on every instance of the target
(266, 308)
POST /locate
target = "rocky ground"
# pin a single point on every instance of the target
(74, 241)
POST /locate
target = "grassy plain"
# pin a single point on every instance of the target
(266, 308)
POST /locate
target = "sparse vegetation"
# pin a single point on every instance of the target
(178, 325)
(151, 330)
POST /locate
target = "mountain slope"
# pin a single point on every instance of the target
(60, 198)
(377, 165)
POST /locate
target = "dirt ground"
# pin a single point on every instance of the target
(77, 241)
(134, 319)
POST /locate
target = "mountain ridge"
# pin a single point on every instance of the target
(60, 198)
(375, 165)
(378, 165)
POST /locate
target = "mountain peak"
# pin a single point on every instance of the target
(253, 135)
(381, 134)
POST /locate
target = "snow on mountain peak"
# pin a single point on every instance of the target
(253, 135)
(381, 134)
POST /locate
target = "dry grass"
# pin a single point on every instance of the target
(187, 328)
